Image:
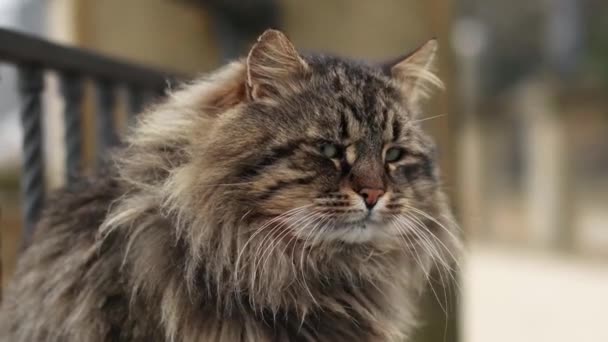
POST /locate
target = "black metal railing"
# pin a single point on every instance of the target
(34, 57)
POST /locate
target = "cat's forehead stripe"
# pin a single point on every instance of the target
(360, 92)
(344, 133)
(397, 128)
(275, 154)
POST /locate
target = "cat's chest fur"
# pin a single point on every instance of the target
(304, 309)
(354, 315)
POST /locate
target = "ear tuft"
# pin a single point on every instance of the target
(414, 72)
(271, 60)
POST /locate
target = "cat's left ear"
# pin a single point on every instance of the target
(414, 72)
(272, 62)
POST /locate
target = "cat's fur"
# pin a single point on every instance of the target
(221, 219)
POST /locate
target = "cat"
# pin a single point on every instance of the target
(281, 198)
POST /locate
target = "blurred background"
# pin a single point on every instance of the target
(522, 130)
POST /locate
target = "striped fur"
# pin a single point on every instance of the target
(222, 220)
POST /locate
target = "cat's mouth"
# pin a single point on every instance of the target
(369, 221)
(353, 225)
(360, 228)
(359, 221)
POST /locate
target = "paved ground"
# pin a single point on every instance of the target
(515, 296)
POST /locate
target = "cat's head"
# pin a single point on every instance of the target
(309, 147)
(330, 148)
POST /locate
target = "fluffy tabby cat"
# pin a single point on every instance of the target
(282, 198)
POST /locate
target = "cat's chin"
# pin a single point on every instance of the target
(356, 232)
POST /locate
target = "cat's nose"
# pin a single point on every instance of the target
(371, 196)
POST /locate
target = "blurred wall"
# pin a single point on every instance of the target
(364, 29)
(162, 33)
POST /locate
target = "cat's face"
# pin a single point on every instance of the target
(332, 152)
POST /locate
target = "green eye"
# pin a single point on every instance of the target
(393, 154)
(331, 151)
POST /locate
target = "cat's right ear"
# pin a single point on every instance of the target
(271, 62)
(414, 72)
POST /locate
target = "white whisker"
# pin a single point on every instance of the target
(258, 231)
(435, 255)
(406, 224)
(429, 118)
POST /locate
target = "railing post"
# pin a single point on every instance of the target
(34, 56)
(31, 85)
(72, 90)
(135, 101)
(105, 128)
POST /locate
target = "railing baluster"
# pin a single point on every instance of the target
(31, 85)
(106, 129)
(72, 90)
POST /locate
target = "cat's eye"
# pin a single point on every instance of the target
(331, 150)
(393, 154)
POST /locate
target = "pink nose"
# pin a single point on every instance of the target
(371, 196)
